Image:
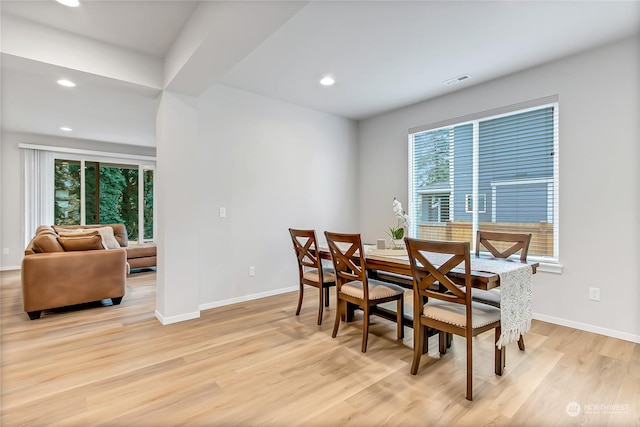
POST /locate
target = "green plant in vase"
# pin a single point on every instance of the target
(397, 232)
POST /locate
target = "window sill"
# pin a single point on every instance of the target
(550, 268)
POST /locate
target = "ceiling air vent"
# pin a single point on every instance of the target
(457, 79)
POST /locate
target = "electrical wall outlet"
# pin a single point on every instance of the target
(252, 271)
(594, 294)
(5, 251)
(223, 212)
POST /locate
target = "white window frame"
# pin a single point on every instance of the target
(62, 153)
(550, 263)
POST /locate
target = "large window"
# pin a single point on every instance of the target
(106, 193)
(497, 172)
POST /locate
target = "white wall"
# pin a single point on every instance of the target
(272, 165)
(12, 185)
(177, 202)
(599, 152)
(11, 188)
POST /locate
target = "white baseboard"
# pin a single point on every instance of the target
(175, 319)
(206, 306)
(230, 301)
(9, 267)
(588, 328)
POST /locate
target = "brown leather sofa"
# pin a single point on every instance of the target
(54, 275)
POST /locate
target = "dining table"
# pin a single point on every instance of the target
(512, 276)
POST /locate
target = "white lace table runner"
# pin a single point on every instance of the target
(515, 296)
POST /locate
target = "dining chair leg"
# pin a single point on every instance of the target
(425, 340)
(365, 328)
(320, 305)
(521, 343)
(418, 339)
(326, 297)
(500, 355)
(340, 306)
(400, 319)
(469, 367)
(300, 295)
(442, 341)
(350, 311)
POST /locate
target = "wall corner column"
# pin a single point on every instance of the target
(177, 296)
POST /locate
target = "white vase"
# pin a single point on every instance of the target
(397, 243)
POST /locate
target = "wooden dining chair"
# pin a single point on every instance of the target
(451, 311)
(353, 286)
(500, 245)
(310, 269)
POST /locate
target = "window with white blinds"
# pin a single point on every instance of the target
(493, 172)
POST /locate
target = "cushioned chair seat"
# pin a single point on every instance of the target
(328, 275)
(455, 314)
(377, 289)
(491, 297)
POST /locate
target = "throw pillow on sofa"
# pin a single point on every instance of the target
(108, 238)
(79, 233)
(46, 242)
(81, 243)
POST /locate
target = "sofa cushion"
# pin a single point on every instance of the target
(141, 250)
(45, 229)
(46, 242)
(81, 243)
(106, 234)
(80, 233)
(76, 232)
(119, 230)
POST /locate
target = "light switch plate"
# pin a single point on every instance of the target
(223, 212)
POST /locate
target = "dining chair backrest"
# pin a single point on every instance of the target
(349, 265)
(490, 239)
(426, 273)
(305, 246)
(441, 311)
(310, 269)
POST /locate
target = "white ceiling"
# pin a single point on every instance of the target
(388, 54)
(383, 54)
(148, 27)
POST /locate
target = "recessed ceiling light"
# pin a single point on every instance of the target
(66, 129)
(67, 83)
(327, 81)
(70, 3)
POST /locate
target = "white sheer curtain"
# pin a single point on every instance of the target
(38, 190)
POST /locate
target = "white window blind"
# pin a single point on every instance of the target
(497, 172)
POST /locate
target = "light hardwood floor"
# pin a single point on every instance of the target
(256, 363)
